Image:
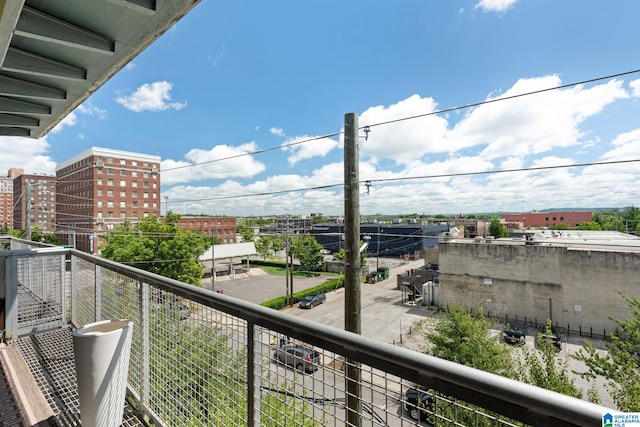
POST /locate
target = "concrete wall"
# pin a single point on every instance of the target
(573, 287)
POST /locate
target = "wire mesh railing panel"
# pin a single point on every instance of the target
(205, 359)
(197, 362)
(119, 298)
(83, 291)
(300, 384)
(40, 292)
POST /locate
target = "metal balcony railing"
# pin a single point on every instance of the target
(202, 358)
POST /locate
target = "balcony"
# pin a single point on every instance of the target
(214, 365)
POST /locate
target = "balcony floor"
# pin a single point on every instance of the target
(49, 357)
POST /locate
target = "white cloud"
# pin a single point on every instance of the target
(495, 5)
(69, 121)
(532, 124)
(91, 110)
(635, 87)
(406, 140)
(25, 153)
(237, 164)
(73, 118)
(151, 97)
(317, 147)
(215, 60)
(450, 159)
(626, 147)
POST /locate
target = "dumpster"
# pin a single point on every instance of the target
(385, 272)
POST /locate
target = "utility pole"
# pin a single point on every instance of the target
(213, 260)
(352, 305)
(290, 267)
(27, 204)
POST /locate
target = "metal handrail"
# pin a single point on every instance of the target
(516, 400)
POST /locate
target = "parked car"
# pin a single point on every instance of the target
(514, 333)
(183, 310)
(550, 334)
(304, 359)
(311, 301)
(418, 402)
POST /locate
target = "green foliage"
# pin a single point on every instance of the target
(340, 255)
(498, 229)
(247, 234)
(589, 226)
(158, 247)
(621, 365)
(463, 337)
(263, 247)
(328, 286)
(307, 251)
(625, 221)
(544, 368)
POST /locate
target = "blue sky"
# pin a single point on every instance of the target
(234, 78)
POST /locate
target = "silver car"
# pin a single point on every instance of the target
(304, 359)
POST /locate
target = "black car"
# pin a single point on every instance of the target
(418, 402)
(514, 333)
(550, 333)
(311, 301)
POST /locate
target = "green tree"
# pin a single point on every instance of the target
(159, 247)
(544, 368)
(589, 226)
(498, 229)
(247, 234)
(277, 244)
(307, 251)
(463, 337)
(621, 365)
(263, 247)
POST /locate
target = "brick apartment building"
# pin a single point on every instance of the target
(546, 219)
(99, 189)
(224, 227)
(6, 199)
(34, 202)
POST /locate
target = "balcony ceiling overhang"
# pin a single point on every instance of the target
(55, 53)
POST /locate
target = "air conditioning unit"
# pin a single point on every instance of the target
(99, 220)
(154, 170)
(99, 164)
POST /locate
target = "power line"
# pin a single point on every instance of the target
(491, 101)
(408, 178)
(433, 113)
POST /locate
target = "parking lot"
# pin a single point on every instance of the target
(384, 316)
